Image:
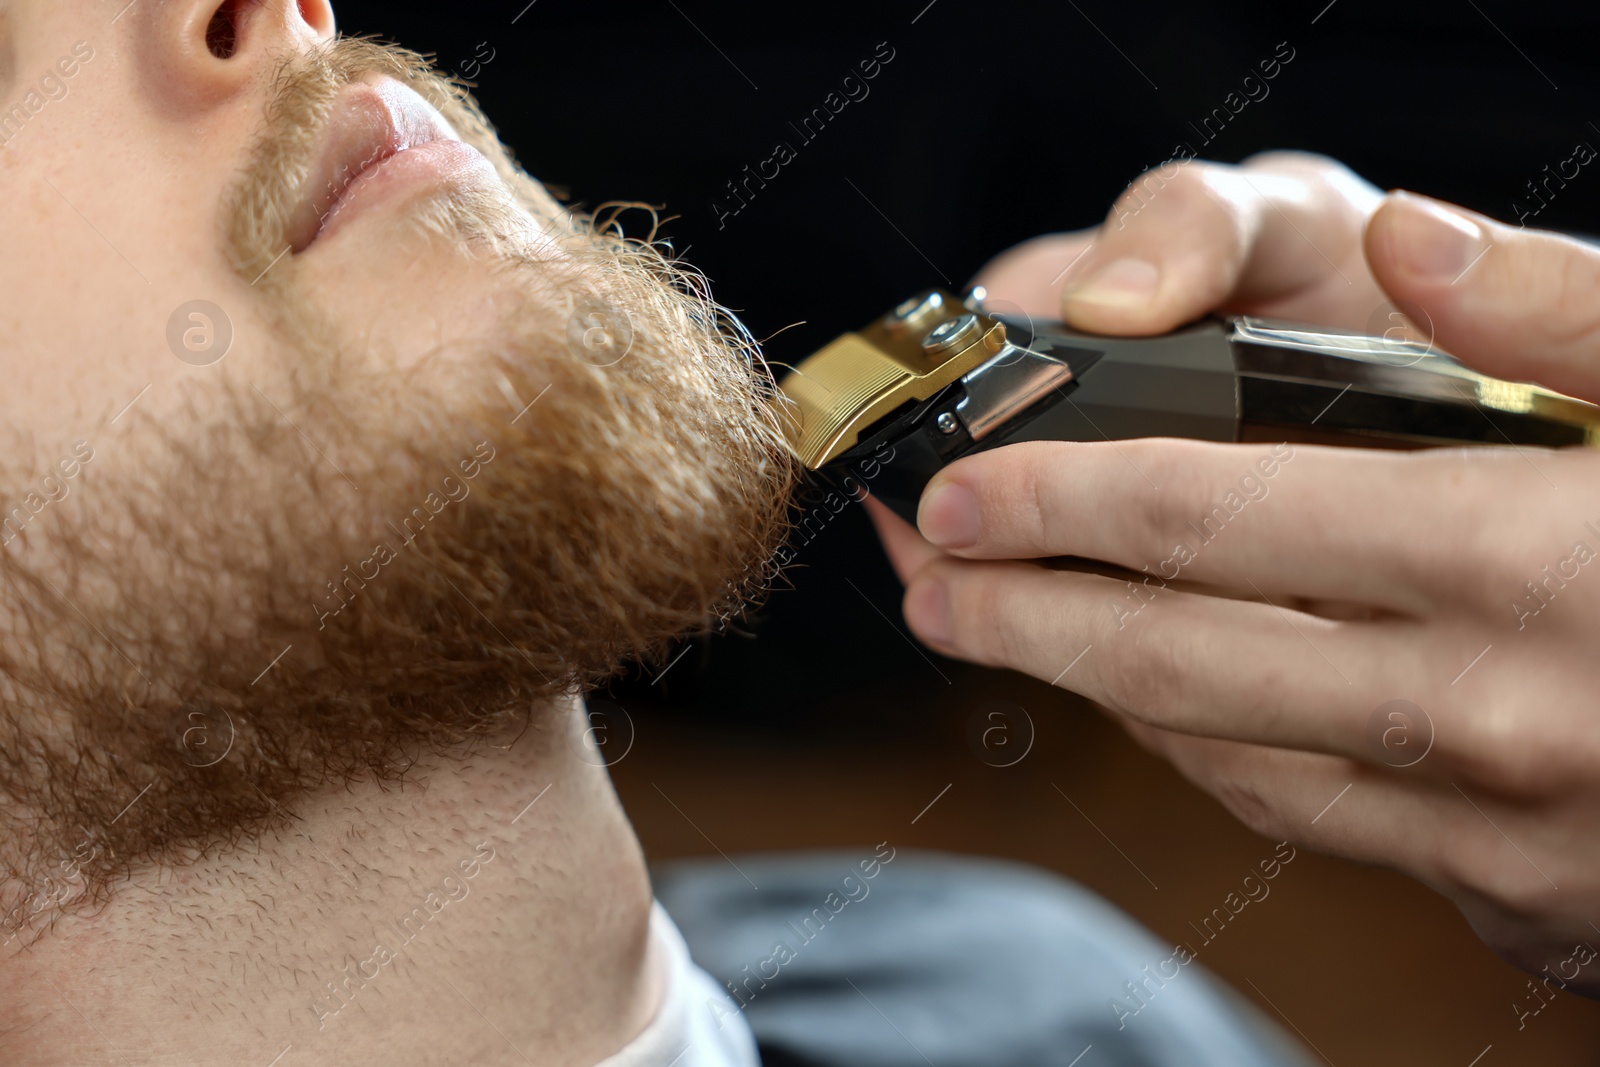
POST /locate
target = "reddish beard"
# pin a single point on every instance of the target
(242, 622)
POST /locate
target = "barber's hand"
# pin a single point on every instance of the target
(1328, 582)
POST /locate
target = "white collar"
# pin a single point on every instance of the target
(698, 1024)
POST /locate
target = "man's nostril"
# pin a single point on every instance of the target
(222, 34)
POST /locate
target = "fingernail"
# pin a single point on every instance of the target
(948, 516)
(1432, 241)
(928, 611)
(1122, 283)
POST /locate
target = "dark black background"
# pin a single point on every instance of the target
(995, 121)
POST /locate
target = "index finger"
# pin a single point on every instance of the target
(1399, 530)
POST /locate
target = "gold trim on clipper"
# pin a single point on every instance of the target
(905, 357)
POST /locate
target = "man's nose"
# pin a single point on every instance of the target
(199, 53)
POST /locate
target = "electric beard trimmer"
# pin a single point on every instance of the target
(939, 378)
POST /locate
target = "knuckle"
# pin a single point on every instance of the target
(1176, 498)
(1148, 683)
(983, 614)
(1306, 164)
(1513, 753)
(1237, 777)
(1124, 688)
(1471, 555)
(1033, 502)
(1246, 802)
(1480, 566)
(1279, 158)
(1318, 169)
(999, 631)
(1184, 185)
(1576, 270)
(1504, 554)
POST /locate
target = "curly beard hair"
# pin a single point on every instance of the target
(245, 618)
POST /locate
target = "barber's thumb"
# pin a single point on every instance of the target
(1510, 302)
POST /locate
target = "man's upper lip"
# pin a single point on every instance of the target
(369, 123)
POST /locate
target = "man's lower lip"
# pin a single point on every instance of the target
(404, 175)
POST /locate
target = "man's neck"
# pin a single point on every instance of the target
(493, 910)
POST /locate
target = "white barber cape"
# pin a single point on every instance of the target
(687, 1030)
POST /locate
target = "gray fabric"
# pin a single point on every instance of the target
(952, 962)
